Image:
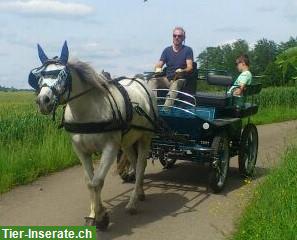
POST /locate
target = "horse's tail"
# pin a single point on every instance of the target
(123, 164)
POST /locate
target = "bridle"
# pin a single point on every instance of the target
(62, 77)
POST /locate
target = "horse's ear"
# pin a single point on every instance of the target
(42, 56)
(64, 54)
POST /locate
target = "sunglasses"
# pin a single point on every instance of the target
(177, 36)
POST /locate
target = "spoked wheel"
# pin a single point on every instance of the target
(124, 168)
(220, 164)
(248, 151)
(167, 162)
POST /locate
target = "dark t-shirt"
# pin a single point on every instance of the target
(175, 60)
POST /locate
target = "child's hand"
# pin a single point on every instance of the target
(237, 92)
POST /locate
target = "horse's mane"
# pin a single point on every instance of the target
(88, 74)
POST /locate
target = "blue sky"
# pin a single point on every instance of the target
(126, 37)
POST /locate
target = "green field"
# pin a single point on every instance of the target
(272, 214)
(31, 144)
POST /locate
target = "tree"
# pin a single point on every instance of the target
(264, 53)
(283, 46)
(275, 63)
(223, 57)
(287, 62)
(211, 58)
(272, 75)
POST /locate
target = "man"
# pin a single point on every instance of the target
(244, 79)
(178, 59)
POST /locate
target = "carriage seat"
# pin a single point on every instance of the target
(218, 100)
(219, 80)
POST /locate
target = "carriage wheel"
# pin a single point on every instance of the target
(167, 162)
(248, 151)
(220, 165)
(124, 168)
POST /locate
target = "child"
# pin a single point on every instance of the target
(245, 78)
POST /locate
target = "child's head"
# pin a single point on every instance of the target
(243, 63)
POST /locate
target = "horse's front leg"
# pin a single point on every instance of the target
(86, 160)
(108, 156)
(138, 193)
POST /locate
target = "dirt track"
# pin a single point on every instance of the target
(178, 204)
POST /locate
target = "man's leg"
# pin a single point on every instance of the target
(157, 83)
(176, 85)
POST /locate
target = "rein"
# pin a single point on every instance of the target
(78, 95)
(69, 99)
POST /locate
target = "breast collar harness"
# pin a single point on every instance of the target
(117, 123)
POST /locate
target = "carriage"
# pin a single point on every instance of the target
(198, 127)
(208, 128)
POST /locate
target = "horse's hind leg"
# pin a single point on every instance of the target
(138, 193)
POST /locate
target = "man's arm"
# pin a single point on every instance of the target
(189, 67)
(159, 65)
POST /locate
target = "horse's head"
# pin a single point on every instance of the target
(52, 81)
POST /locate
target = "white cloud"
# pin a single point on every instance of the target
(52, 7)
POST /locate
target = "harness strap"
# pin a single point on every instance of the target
(127, 100)
(116, 124)
(94, 127)
(150, 99)
(106, 126)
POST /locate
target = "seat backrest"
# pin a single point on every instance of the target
(252, 89)
(191, 83)
(219, 80)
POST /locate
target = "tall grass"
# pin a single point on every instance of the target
(30, 144)
(276, 105)
(278, 96)
(272, 214)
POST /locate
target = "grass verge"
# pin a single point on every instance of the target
(274, 114)
(272, 213)
(30, 144)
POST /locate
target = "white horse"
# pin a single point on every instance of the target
(94, 102)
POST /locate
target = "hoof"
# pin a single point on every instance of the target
(131, 177)
(141, 197)
(131, 211)
(128, 177)
(103, 224)
(89, 221)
